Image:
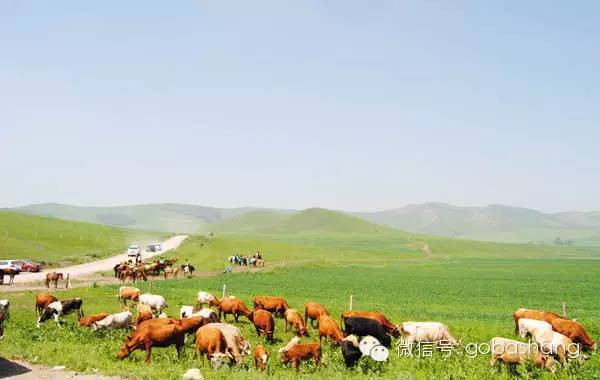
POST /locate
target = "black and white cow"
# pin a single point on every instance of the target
(60, 308)
(4, 314)
(365, 326)
(350, 351)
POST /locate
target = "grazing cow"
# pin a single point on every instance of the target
(261, 356)
(237, 345)
(511, 351)
(526, 326)
(53, 277)
(4, 315)
(551, 342)
(435, 332)
(276, 305)
(534, 314)
(389, 327)
(295, 352)
(59, 308)
(42, 300)
(188, 325)
(365, 326)
(120, 320)
(329, 328)
(211, 342)
(234, 306)
(205, 298)
(157, 303)
(153, 336)
(294, 318)
(128, 293)
(206, 313)
(351, 351)
(89, 321)
(574, 331)
(312, 312)
(264, 323)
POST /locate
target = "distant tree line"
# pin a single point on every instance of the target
(559, 241)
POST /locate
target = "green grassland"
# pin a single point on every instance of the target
(472, 286)
(59, 242)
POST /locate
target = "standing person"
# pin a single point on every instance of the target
(258, 256)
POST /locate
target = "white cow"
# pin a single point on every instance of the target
(526, 326)
(206, 298)
(553, 343)
(236, 343)
(157, 303)
(427, 332)
(114, 321)
(511, 351)
(191, 311)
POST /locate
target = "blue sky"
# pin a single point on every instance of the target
(341, 104)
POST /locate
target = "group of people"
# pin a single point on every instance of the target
(243, 260)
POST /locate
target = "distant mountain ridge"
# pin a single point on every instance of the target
(493, 222)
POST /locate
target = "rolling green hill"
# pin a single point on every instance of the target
(54, 241)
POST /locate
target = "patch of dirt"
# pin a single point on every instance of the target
(16, 369)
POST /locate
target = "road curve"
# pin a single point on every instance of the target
(97, 266)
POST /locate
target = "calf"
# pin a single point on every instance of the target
(534, 314)
(276, 305)
(114, 321)
(128, 293)
(389, 327)
(511, 351)
(295, 352)
(294, 318)
(4, 315)
(574, 331)
(526, 326)
(156, 302)
(148, 336)
(329, 328)
(205, 298)
(234, 306)
(59, 308)
(312, 312)
(351, 351)
(551, 342)
(210, 341)
(264, 323)
(364, 326)
(435, 332)
(261, 356)
(42, 300)
(89, 321)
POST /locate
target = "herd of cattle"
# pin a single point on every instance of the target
(220, 342)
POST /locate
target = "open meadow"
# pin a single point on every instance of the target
(473, 287)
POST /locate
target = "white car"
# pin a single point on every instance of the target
(11, 264)
(134, 250)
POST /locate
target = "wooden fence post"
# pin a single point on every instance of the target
(224, 288)
(351, 301)
(564, 309)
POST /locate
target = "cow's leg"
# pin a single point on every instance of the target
(56, 320)
(295, 364)
(148, 346)
(317, 357)
(286, 326)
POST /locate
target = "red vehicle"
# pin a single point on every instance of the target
(30, 266)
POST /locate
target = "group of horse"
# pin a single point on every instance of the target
(128, 271)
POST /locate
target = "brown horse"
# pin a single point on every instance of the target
(8, 272)
(53, 277)
(173, 271)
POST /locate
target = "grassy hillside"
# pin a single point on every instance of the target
(494, 223)
(55, 241)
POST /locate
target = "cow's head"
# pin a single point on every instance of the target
(263, 361)
(124, 352)
(302, 331)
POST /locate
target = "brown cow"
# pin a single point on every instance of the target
(534, 314)
(264, 323)
(211, 342)
(295, 352)
(313, 311)
(329, 328)
(42, 300)
(388, 326)
(276, 305)
(234, 306)
(53, 277)
(89, 321)
(148, 336)
(574, 331)
(128, 293)
(294, 318)
(188, 325)
(261, 356)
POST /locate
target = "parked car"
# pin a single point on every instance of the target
(134, 250)
(12, 264)
(30, 266)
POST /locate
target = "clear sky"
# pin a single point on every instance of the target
(355, 105)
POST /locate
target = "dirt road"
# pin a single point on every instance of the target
(17, 369)
(76, 271)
